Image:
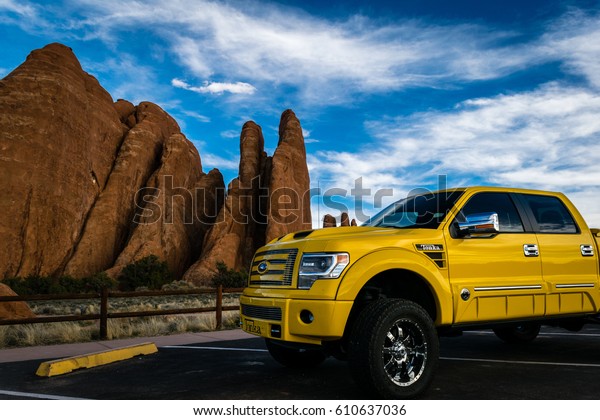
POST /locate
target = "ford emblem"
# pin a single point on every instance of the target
(262, 267)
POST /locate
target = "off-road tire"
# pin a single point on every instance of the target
(295, 358)
(393, 349)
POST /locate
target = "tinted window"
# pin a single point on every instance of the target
(551, 214)
(500, 203)
(420, 211)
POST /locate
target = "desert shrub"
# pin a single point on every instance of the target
(228, 277)
(45, 285)
(98, 282)
(35, 285)
(148, 272)
(65, 284)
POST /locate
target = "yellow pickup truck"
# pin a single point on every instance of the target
(380, 294)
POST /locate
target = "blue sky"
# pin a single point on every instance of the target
(397, 93)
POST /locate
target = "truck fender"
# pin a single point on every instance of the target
(368, 266)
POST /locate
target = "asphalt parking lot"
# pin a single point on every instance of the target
(476, 365)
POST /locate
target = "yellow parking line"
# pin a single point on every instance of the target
(69, 364)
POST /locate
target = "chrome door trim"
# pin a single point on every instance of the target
(531, 250)
(587, 250)
(497, 288)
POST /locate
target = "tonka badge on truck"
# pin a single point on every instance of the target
(379, 295)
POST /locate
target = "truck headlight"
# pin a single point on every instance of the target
(321, 266)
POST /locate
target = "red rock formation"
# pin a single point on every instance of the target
(268, 199)
(210, 197)
(329, 221)
(289, 187)
(345, 221)
(88, 184)
(72, 165)
(13, 310)
(59, 134)
(168, 226)
(127, 112)
(237, 232)
(109, 223)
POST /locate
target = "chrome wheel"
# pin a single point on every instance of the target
(404, 352)
(393, 349)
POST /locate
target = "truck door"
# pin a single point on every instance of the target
(567, 253)
(495, 276)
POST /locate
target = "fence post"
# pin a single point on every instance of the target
(104, 314)
(219, 305)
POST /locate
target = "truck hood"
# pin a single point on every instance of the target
(345, 233)
(360, 240)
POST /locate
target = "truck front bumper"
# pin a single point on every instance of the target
(294, 320)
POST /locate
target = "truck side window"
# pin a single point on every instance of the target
(500, 203)
(550, 214)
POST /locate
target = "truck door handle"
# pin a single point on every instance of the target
(531, 250)
(587, 250)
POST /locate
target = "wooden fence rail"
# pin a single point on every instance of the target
(105, 315)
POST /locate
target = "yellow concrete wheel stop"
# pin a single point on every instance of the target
(69, 364)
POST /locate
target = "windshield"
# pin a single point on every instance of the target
(419, 211)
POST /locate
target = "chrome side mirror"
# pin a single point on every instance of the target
(479, 223)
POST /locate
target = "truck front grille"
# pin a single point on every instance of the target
(274, 267)
(260, 312)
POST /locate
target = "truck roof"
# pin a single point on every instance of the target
(478, 188)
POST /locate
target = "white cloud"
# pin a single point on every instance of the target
(196, 116)
(271, 45)
(216, 87)
(544, 138)
(19, 8)
(230, 134)
(587, 203)
(191, 56)
(548, 138)
(306, 134)
(210, 160)
(575, 39)
(180, 84)
(136, 82)
(327, 61)
(29, 17)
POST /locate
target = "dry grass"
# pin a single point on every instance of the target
(81, 331)
(44, 334)
(166, 325)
